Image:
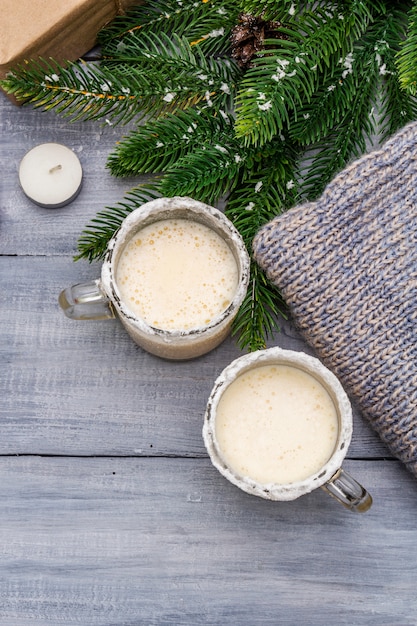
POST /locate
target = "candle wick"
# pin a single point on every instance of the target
(55, 168)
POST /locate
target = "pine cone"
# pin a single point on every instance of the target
(248, 37)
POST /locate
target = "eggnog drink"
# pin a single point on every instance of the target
(276, 424)
(177, 274)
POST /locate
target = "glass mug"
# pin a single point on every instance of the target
(278, 425)
(192, 273)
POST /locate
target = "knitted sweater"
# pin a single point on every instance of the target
(347, 267)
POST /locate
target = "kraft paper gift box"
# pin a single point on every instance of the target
(61, 29)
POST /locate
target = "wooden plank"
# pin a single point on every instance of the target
(85, 388)
(170, 541)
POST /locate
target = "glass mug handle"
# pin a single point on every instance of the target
(85, 301)
(348, 492)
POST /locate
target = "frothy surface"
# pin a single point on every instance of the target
(177, 274)
(276, 424)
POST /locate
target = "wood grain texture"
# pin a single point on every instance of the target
(111, 512)
(170, 541)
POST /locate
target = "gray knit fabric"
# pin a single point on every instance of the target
(347, 267)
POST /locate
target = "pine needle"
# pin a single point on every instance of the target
(407, 55)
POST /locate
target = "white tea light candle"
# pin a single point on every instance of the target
(50, 175)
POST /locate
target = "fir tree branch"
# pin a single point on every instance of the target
(206, 173)
(270, 9)
(88, 92)
(160, 143)
(268, 192)
(398, 105)
(258, 316)
(286, 78)
(205, 23)
(336, 99)
(166, 75)
(188, 74)
(339, 119)
(407, 55)
(197, 152)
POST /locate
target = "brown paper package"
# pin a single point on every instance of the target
(61, 29)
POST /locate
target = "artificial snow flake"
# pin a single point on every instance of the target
(159, 144)
(261, 96)
(306, 116)
(250, 206)
(105, 87)
(279, 75)
(237, 158)
(126, 90)
(223, 114)
(216, 33)
(265, 106)
(331, 87)
(291, 10)
(225, 87)
(208, 99)
(381, 46)
(169, 96)
(221, 148)
(258, 186)
(290, 184)
(347, 63)
(202, 76)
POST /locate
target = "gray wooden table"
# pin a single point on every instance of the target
(111, 512)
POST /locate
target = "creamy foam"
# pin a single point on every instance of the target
(177, 274)
(276, 424)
